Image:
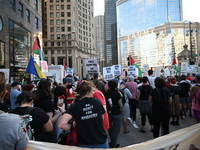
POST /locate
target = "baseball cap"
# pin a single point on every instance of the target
(68, 79)
(15, 83)
(198, 77)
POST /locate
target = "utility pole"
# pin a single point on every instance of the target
(191, 57)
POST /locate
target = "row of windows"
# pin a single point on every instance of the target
(60, 14)
(20, 11)
(51, 1)
(58, 22)
(59, 7)
(60, 29)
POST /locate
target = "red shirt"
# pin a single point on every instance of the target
(69, 95)
(98, 94)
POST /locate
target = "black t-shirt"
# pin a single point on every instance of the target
(160, 99)
(39, 117)
(88, 117)
(145, 91)
(58, 91)
(115, 97)
(185, 88)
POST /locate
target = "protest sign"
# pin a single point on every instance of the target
(117, 70)
(91, 66)
(132, 71)
(108, 73)
(44, 66)
(70, 71)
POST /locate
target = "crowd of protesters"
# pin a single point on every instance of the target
(96, 108)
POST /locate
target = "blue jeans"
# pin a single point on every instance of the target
(104, 145)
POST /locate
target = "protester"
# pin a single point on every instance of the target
(175, 105)
(132, 86)
(145, 104)
(87, 112)
(184, 95)
(195, 97)
(126, 108)
(161, 99)
(14, 93)
(43, 99)
(151, 79)
(114, 106)
(40, 122)
(98, 83)
(12, 136)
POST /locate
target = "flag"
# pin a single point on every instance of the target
(34, 69)
(132, 62)
(64, 64)
(37, 49)
(175, 66)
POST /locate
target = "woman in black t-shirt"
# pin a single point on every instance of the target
(161, 99)
(88, 114)
(40, 120)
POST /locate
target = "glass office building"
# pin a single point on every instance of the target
(135, 22)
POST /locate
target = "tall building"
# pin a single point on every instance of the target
(20, 23)
(69, 33)
(142, 17)
(111, 54)
(100, 46)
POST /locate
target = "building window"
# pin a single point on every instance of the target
(57, 7)
(52, 29)
(12, 5)
(57, 0)
(69, 29)
(69, 36)
(58, 29)
(45, 52)
(62, 21)
(58, 14)
(36, 4)
(58, 22)
(20, 10)
(68, 14)
(62, 29)
(60, 60)
(2, 54)
(62, 14)
(51, 7)
(51, 22)
(36, 23)
(69, 43)
(63, 51)
(68, 6)
(52, 37)
(58, 36)
(58, 51)
(51, 14)
(51, 1)
(68, 21)
(52, 60)
(68, 0)
(27, 15)
(62, 7)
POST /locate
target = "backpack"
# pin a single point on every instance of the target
(122, 95)
(26, 119)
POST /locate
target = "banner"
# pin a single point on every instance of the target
(91, 66)
(184, 67)
(108, 73)
(184, 139)
(70, 71)
(132, 71)
(145, 67)
(192, 69)
(157, 71)
(117, 70)
(44, 66)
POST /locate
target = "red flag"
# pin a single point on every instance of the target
(64, 64)
(174, 61)
(37, 49)
(131, 60)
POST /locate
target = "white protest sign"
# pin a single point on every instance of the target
(132, 71)
(192, 69)
(145, 68)
(44, 66)
(167, 72)
(157, 71)
(184, 66)
(173, 72)
(108, 73)
(189, 69)
(195, 69)
(70, 71)
(6, 74)
(117, 70)
(91, 66)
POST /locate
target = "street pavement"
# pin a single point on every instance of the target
(135, 136)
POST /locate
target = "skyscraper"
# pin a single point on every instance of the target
(135, 22)
(69, 33)
(110, 33)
